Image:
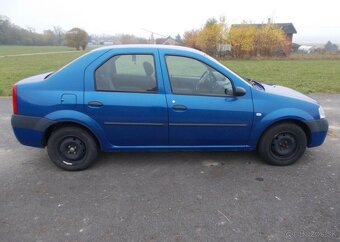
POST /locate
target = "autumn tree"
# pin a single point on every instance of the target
(209, 37)
(242, 40)
(76, 38)
(264, 40)
(269, 40)
(191, 39)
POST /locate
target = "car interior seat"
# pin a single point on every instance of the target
(151, 81)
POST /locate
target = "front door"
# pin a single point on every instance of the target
(124, 95)
(201, 106)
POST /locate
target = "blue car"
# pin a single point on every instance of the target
(153, 97)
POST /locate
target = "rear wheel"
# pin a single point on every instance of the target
(283, 144)
(72, 148)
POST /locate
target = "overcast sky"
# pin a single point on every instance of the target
(315, 21)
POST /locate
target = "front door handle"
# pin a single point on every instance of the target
(95, 104)
(179, 107)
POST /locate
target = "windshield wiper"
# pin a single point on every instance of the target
(255, 84)
(48, 75)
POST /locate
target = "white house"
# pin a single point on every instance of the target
(307, 49)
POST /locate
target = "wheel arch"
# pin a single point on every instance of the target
(68, 123)
(298, 122)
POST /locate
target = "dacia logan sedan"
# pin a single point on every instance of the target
(153, 97)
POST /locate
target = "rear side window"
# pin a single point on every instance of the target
(127, 73)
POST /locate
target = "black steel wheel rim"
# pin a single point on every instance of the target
(284, 145)
(72, 150)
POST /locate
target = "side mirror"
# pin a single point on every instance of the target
(240, 91)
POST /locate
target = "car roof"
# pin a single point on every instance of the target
(148, 46)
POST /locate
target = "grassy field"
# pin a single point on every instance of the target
(13, 69)
(306, 75)
(14, 50)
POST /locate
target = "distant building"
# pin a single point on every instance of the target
(295, 47)
(166, 41)
(288, 29)
(307, 49)
(223, 50)
(107, 42)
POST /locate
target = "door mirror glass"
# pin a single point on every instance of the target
(240, 91)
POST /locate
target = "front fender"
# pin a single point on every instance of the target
(261, 123)
(81, 119)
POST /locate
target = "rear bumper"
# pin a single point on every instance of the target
(30, 130)
(318, 130)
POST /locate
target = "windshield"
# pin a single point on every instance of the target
(223, 66)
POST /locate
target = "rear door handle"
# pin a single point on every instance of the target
(95, 104)
(179, 107)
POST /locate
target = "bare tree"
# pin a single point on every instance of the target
(59, 34)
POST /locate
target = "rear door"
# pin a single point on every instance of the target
(124, 93)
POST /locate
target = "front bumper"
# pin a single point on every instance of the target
(318, 131)
(30, 130)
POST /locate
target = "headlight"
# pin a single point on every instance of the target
(322, 112)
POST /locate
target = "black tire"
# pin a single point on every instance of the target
(283, 144)
(72, 148)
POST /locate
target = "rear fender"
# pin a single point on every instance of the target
(81, 119)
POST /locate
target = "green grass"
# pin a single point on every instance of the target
(13, 69)
(15, 50)
(305, 75)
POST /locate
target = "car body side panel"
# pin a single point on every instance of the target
(273, 108)
(29, 137)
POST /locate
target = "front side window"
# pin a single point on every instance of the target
(127, 73)
(192, 77)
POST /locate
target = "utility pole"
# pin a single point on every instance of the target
(152, 33)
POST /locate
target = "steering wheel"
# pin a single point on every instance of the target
(205, 81)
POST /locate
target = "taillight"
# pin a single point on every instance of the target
(14, 99)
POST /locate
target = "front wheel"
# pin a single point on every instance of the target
(283, 144)
(72, 148)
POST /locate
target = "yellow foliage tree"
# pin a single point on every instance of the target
(209, 38)
(242, 40)
(191, 38)
(249, 40)
(246, 39)
(270, 40)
